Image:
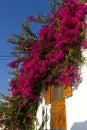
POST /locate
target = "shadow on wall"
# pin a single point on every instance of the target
(79, 126)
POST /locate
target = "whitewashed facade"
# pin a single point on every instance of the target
(76, 106)
(43, 112)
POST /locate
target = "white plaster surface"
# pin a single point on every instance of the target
(43, 113)
(76, 106)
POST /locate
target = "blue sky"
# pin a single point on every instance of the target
(12, 13)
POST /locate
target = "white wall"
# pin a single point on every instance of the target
(43, 112)
(76, 106)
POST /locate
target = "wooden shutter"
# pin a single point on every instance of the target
(58, 111)
(67, 91)
(48, 94)
(58, 115)
(51, 92)
(56, 92)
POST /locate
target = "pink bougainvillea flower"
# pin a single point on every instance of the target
(43, 31)
(28, 115)
(51, 53)
(30, 18)
(13, 64)
(84, 43)
(20, 105)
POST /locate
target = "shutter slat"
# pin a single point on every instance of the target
(67, 91)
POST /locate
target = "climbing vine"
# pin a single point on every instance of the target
(53, 55)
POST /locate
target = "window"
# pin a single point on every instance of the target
(56, 92)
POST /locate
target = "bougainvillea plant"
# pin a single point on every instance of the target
(53, 56)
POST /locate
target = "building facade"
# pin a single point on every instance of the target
(63, 108)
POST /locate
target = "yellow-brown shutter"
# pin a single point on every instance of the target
(48, 94)
(58, 108)
(67, 91)
(58, 115)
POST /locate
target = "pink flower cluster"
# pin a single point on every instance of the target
(57, 53)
